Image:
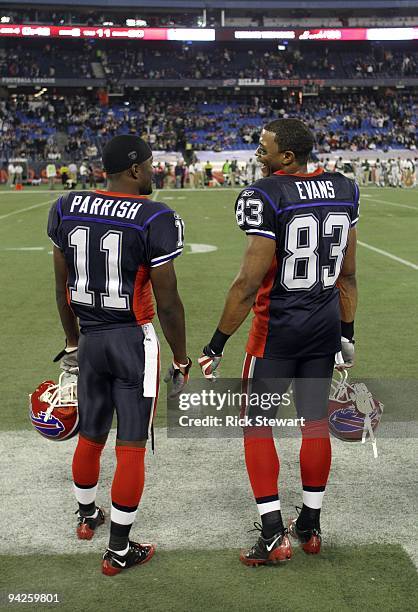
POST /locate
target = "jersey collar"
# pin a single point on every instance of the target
(121, 195)
(306, 175)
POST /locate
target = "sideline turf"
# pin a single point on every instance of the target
(344, 579)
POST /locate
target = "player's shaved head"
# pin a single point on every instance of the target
(292, 135)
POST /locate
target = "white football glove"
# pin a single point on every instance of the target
(178, 375)
(345, 357)
(68, 358)
(209, 363)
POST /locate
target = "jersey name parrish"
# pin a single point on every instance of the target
(94, 205)
(309, 190)
(110, 242)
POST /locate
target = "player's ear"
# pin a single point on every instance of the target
(288, 157)
(134, 171)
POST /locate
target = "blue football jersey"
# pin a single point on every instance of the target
(110, 242)
(309, 216)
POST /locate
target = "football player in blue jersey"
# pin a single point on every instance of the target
(112, 250)
(298, 276)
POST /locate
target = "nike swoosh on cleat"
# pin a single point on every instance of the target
(121, 563)
(270, 547)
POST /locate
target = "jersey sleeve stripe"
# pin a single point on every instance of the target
(157, 214)
(268, 198)
(178, 251)
(55, 244)
(166, 259)
(59, 207)
(264, 233)
(357, 192)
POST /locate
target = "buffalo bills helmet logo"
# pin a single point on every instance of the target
(353, 413)
(53, 408)
(348, 419)
(51, 428)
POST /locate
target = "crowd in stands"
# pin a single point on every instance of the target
(77, 127)
(49, 60)
(93, 17)
(336, 18)
(34, 59)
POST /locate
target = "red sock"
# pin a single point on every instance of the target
(262, 464)
(315, 454)
(127, 487)
(129, 478)
(86, 462)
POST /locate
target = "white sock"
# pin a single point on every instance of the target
(313, 499)
(120, 552)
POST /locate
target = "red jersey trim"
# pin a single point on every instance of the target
(143, 305)
(121, 195)
(259, 329)
(306, 175)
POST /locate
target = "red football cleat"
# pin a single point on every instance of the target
(309, 539)
(267, 552)
(138, 554)
(87, 526)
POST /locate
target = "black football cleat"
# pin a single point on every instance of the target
(267, 551)
(309, 539)
(138, 554)
(86, 526)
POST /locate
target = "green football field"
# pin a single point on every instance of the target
(197, 504)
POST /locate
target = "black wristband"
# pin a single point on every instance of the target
(347, 330)
(218, 342)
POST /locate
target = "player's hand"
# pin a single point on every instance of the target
(209, 363)
(178, 374)
(345, 358)
(68, 358)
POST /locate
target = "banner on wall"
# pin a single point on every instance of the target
(100, 32)
(205, 34)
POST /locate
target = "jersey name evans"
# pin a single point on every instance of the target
(124, 209)
(315, 189)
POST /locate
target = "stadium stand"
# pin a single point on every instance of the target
(33, 127)
(275, 18)
(61, 59)
(61, 100)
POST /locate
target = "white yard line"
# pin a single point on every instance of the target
(22, 210)
(390, 203)
(31, 192)
(31, 249)
(389, 255)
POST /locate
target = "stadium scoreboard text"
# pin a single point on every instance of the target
(204, 34)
